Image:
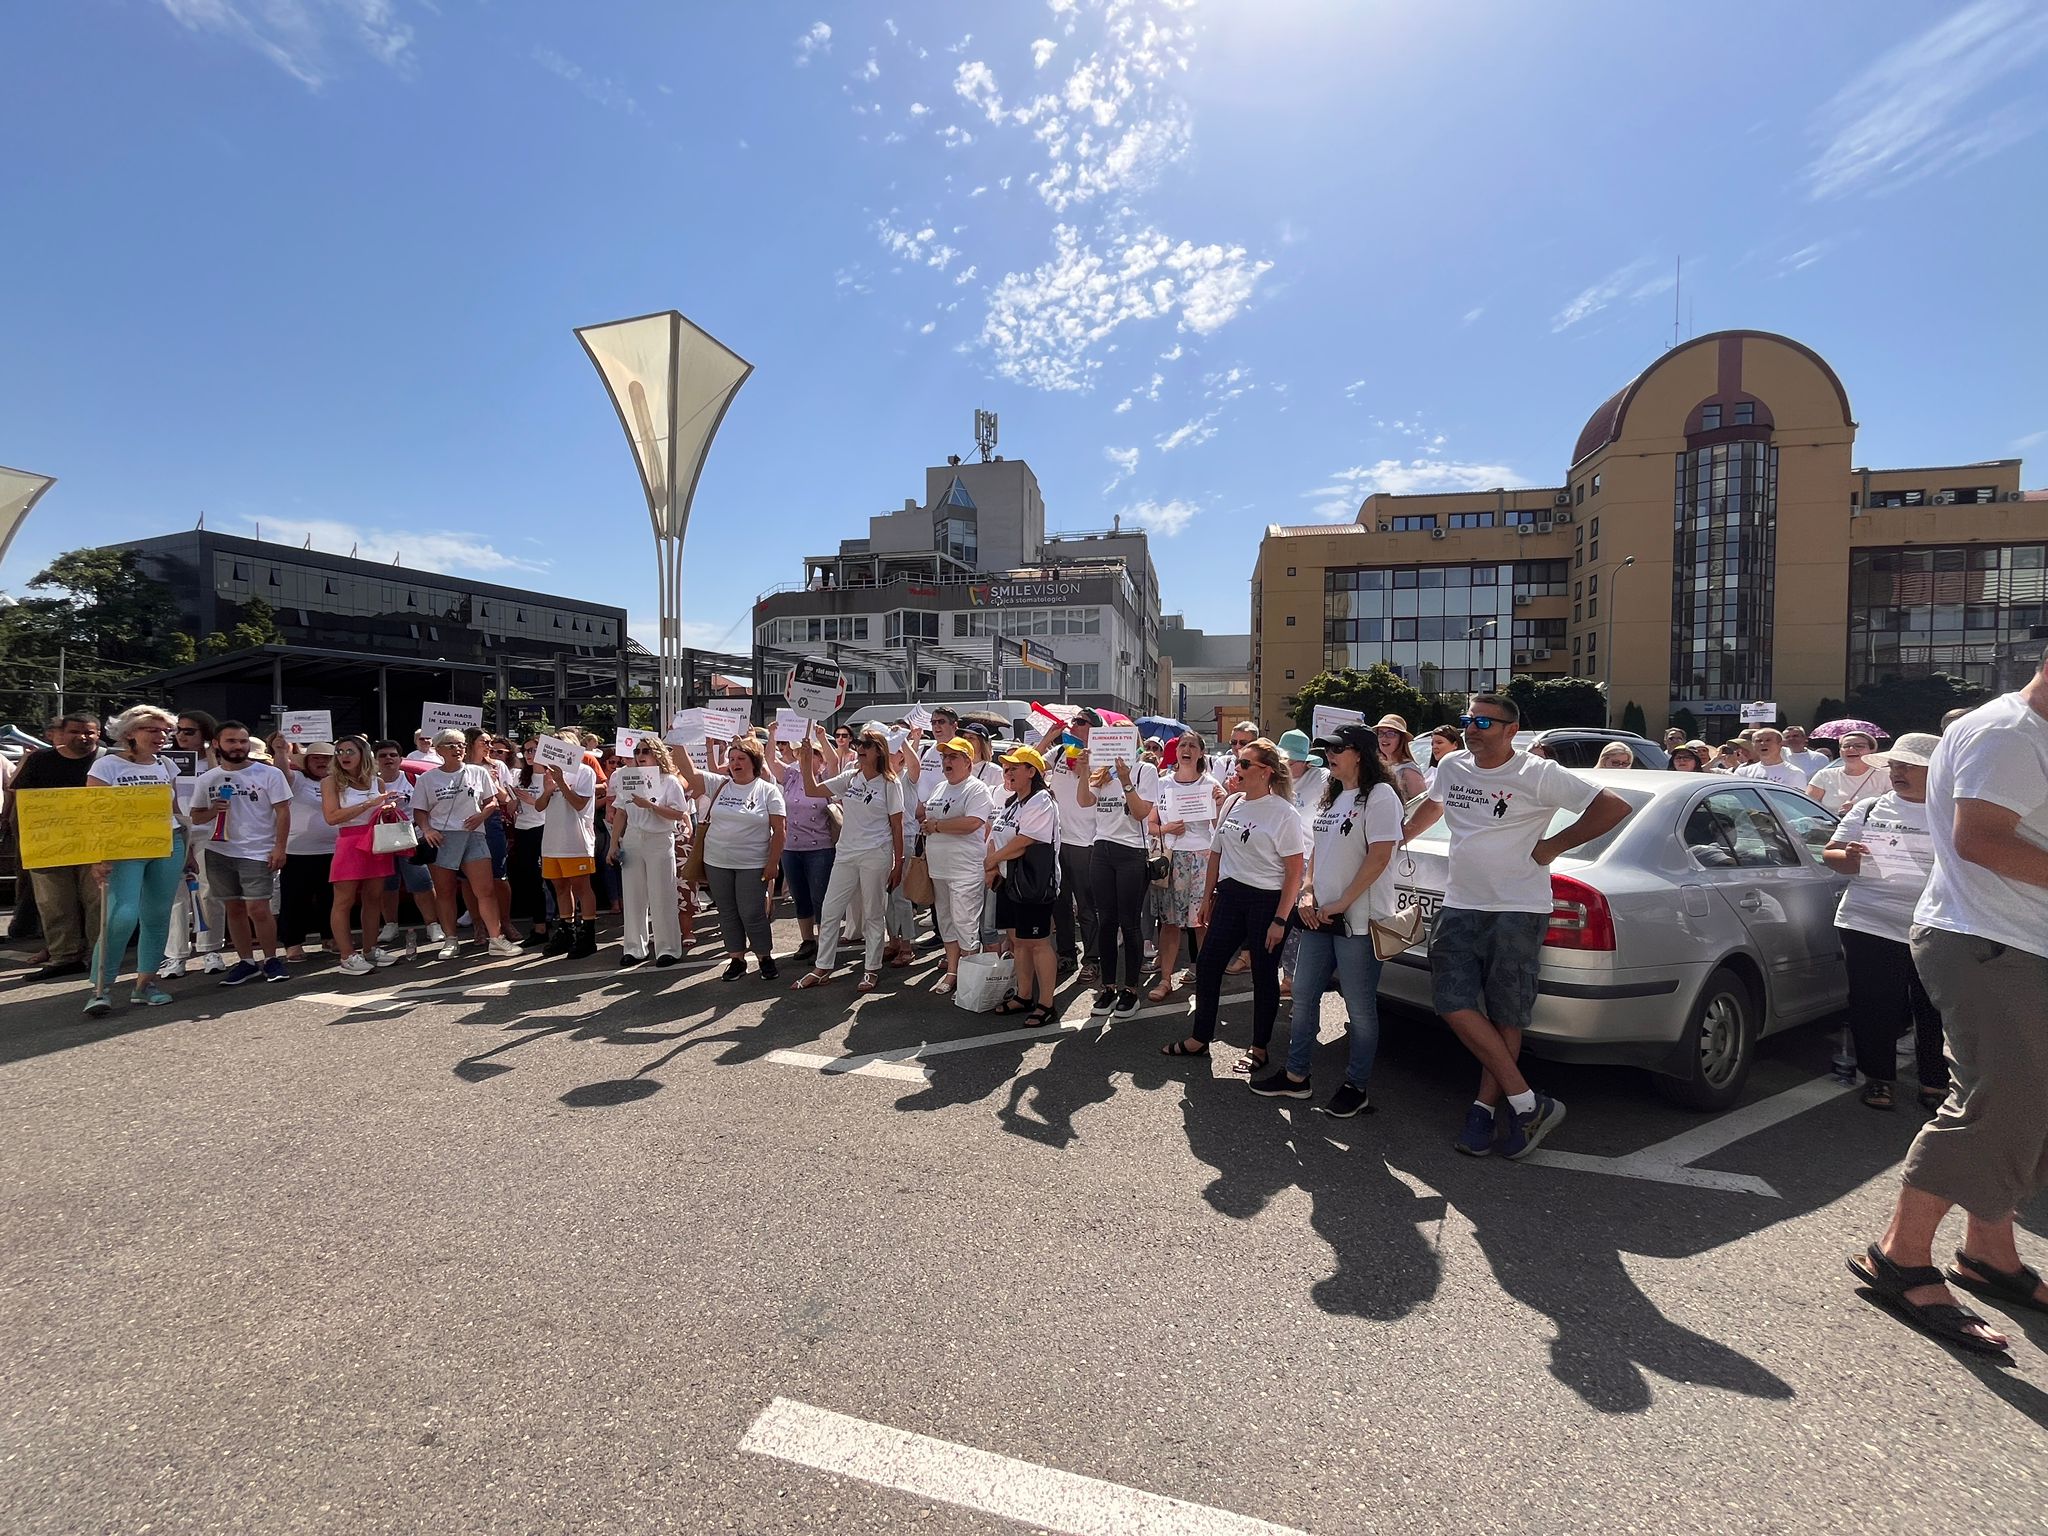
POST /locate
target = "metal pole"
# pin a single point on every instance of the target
(60, 682)
(383, 702)
(277, 690)
(1613, 591)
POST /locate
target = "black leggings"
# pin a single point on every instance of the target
(305, 899)
(1237, 920)
(1117, 873)
(522, 868)
(1884, 992)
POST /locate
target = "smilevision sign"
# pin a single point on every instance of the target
(1021, 594)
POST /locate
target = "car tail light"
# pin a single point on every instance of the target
(1579, 916)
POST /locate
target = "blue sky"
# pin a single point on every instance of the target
(315, 264)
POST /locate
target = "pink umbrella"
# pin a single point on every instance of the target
(1834, 730)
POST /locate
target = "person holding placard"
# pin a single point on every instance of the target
(352, 803)
(530, 896)
(67, 897)
(869, 860)
(449, 805)
(807, 851)
(1184, 819)
(1074, 925)
(954, 821)
(199, 921)
(1122, 802)
(411, 877)
(568, 846)
(648, 808)
(138, 893)
(305, 894)
(744, 824)
(1884, 846)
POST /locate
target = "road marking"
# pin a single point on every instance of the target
(974, 1479)
(835, 1066)
(489, 987)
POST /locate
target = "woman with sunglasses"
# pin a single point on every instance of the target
(868, 862)
(644, 824)
(1249, 887)
(137, 893)
(1443, 741)
(1028, 820)
(743, 827)
(1185, 822)
(352, 803)
(1122, 797)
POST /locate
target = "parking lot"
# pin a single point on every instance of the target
(549, 1247)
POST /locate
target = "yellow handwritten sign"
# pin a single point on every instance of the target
(84, 826)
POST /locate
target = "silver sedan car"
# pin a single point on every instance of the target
(1678, 939)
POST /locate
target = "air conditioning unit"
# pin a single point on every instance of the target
(1436, 533)
(1521, 658)
(1944, 498)
(1541, 655)
(2015, 496)
(1562, 517)
(1544, 525)
(1522, 599)
(1564, 498)
(1384, 528)
(1525, 529)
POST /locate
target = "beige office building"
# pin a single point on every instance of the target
(1713, 543)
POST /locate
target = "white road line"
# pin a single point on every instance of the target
(1654, 1173)
(492, 986)
(835, 1066)
(1725, 1130)
(973, 1479)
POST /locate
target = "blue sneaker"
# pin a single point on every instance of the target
(1525, 1131)
(273, 969)
(241, 971)
(1476, 1140)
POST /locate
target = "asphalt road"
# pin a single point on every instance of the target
(536, 1257)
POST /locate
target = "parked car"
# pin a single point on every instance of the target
(1579, 746)
(1679, 939)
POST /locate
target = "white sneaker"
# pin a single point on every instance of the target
(435, 935)
(503, 948)
(381, 957)
(462, 921)
(170, 970)
(213, 962)
(452, 950)
(355, 965)
(387, 933)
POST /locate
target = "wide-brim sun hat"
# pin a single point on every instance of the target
(1392, 722)
(1294, 746)
(317, 749)
(1915, 749)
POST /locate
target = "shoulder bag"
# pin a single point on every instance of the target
(393, 833)
(917, 877)
(1401, 932)
(1032, 878)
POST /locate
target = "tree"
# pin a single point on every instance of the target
(1373, 694)
(106, 620)
(1554, 701)
(1829, 709)
(1632, 719)
(1901, 704)
(1688, 722)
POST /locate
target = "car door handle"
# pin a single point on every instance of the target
(1751, 903)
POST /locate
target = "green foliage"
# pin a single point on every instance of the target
(1375, 693)
(1829, 709)
(1553, 701)
(108, 621)
(1687, 722)
(1901, 704)
(1632, 719)
(258, 627)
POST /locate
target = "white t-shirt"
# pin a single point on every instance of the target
(119, 773)
(401, 787)
(448, 799)
(1776, 773)
(740, 831)
(524, 817)
(866, 805)
(1038, 818)
(1113, 823)
(1838, 791)
(1342, 834)
(991, 774)
(1254, 837)
(1874, 903)
(1077, 821)
(310, 832)
(1308, 793)
(1201, 831)
(566, 832)
(957, 855)
(1495, 819)
(1808, 762)
(1998, 752)
(248, 829)
(670, 793)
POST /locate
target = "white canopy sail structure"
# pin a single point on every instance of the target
(18, 492)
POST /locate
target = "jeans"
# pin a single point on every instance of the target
(807, 872)
(140, 895)
(1238, 919)
(1884, 992)
(1358, 975)
(1073, 910)
(1118, 871)
(741, 897)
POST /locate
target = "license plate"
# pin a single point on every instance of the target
(1431, 902)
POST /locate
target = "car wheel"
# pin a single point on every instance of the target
(1720, 1045)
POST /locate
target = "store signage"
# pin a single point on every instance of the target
(1025, 594)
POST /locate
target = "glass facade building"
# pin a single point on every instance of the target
(1724, 570)
(1446, 628)
(1974, 611)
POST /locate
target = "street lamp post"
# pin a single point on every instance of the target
(1613, 582)
(671, 384)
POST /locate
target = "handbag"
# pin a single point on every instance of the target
(917, 878)
(1401, 932)
(692, 872)
(837, 818)
(1159, 866)
(393, 834)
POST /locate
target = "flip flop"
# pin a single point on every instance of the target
(1940, 1321)
(1159, 994)
(2007, 1287)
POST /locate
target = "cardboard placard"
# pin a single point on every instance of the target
(553, 752)
(61, 827)
(628, 782)
(1762, 712)
(721, 726)
(1326, 718)
(187, 764)
(687, 727)
(1190, 802)
(303, 725)
(791, 725)
(447, 717)
(625, 743)
(1109, 745)
(815, 686)
(918, 716)
(699, 754)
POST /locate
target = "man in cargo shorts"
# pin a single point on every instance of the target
(1980, 945)
(1487, 945)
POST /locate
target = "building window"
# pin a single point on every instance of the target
(1290, 674)
(1710, 418)
(1577, 616)
(1593, 550)
(1745, 414)
(1596, 527)
(1972, 495)
(1575, 645)
(1593, 584)
(1471, 519)
(1579, 494)
(1578, 589)
(1596, 485)
(1290, 621)
(957, 537)
(1517, 519)
(1724, 571)
(1412, 524)
(241, 572)
(1592, 640)
(1290, 570)
(1592, 608)
(1898, 498)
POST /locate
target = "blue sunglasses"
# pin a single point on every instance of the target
(1479, 722)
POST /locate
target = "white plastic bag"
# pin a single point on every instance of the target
(984, 981)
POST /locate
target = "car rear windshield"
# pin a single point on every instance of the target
(1439, 835)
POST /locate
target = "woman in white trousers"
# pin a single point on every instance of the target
(644, 828)
(954, 817)
(868, 863)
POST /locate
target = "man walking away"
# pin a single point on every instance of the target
(1487, 945)
(67, 897)
(247, 808)
(1980, 945)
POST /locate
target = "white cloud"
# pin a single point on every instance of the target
(1165, 518)
(1915, 113)
(298, 35)
(1228, 384)
(953, 136)
(1354, 389)
(1804, 257)
(1194, 433)
(890, 23)
(1126, 462)
(1041, 51)
(1472, 315)
(962, 45)
(1121, 406)
(1641, 279)
(602, 89)
(920, 247)
(815, 41)
(450, 552)
(928, 327)
(978, 191)
(1042, 325)
(918, 109)
(975, 82)
(2032, 439)
(961, 279)
(1349, 487)
(868, 71)
(1171, 356)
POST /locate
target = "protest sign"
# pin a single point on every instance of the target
(302, 725)
(1191, 802)
(1326, 718)
(917, 715)
(553, 752)
(627, 742)
(721, 726)
(450, 717)
(791, 725)
(687, 727)
(1760, 713)
(85, 826)
(628, 782)
(187, 764)
(699, 754)
(1112, 744)
(815, 686)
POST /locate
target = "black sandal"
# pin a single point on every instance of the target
(1180, 1048)
(1250, 1061)
(1012, 1005)
(2007, 1287)
(1877, 1096)
(1041, 1017)
(1939, 1320)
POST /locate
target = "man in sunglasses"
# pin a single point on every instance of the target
(1487, 945)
